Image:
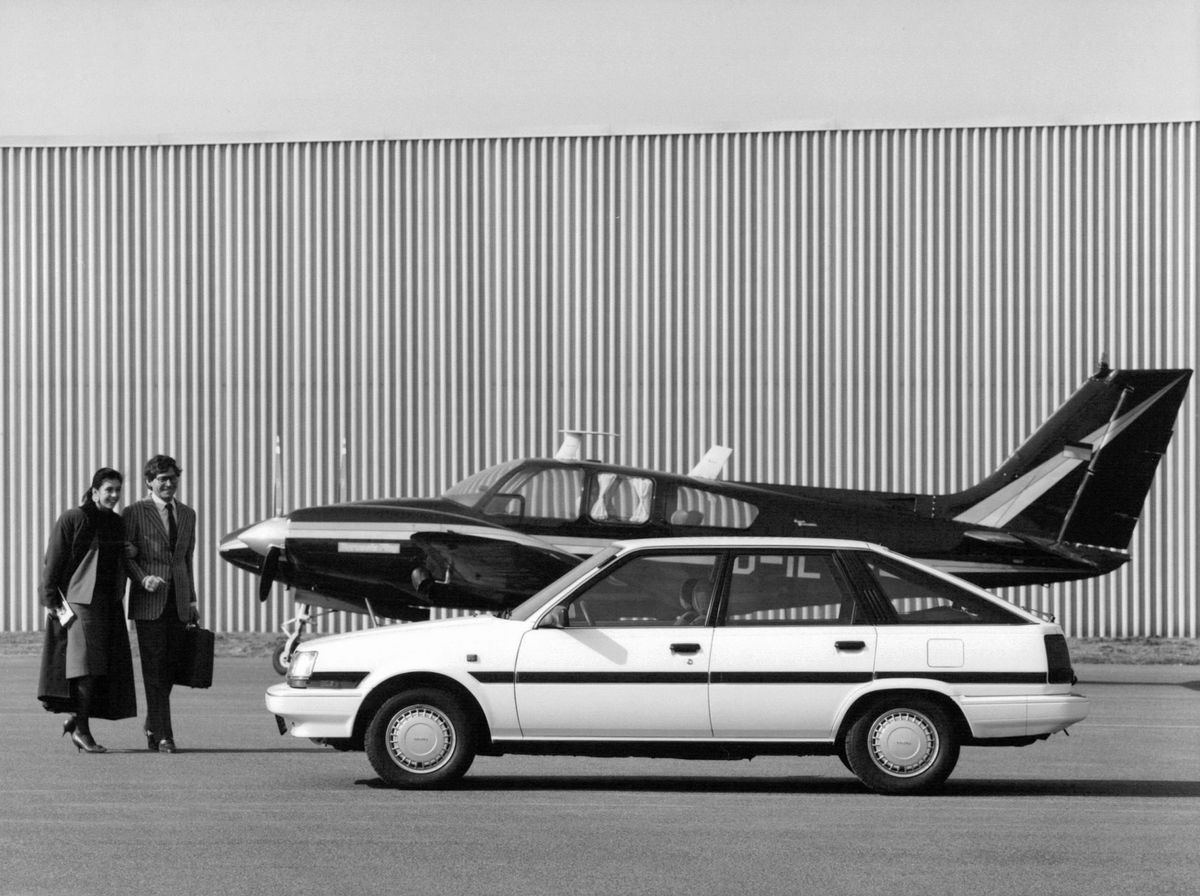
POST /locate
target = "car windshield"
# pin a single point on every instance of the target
(535, 602)
(471, 490)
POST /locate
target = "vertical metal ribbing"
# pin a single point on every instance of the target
(873, 309)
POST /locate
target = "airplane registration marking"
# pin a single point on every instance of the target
(368, 547)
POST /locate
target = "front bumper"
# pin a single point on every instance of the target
(313, 713)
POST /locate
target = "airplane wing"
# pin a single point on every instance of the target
(497, 569)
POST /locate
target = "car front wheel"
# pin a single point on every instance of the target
(907, 746)
(420, 738)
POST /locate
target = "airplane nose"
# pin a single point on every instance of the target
(261, 537)
(247, 547)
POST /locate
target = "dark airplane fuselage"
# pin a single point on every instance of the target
(370, 550)
(1062, 507)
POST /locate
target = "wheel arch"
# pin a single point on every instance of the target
(407, 681)
(864, 703)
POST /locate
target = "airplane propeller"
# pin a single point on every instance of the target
(270, 568)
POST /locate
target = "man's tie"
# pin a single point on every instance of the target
(172, 528)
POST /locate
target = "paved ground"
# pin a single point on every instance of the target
(1113, 808)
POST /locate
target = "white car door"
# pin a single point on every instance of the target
(629, 656)
(790, 649)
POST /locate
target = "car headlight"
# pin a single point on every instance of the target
(301, 667)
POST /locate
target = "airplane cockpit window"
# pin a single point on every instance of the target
(648, 591)
(470, 491)
(923, 599)
(542, 494)
(617, 498)
(710, 510)
(789, 589)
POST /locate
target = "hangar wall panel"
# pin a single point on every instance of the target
(868, 309)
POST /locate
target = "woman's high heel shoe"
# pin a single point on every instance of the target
(68, 725)
(84, 743)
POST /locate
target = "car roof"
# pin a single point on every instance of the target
(741, 541)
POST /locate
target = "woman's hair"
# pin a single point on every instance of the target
(104, 474)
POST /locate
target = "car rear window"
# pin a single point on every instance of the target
(919, 598)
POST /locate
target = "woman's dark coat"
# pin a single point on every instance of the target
(83, 565)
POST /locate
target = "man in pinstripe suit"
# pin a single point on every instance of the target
(162, 594)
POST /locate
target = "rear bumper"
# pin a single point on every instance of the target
(1003, 717)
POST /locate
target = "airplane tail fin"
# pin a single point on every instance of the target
(1083, 476)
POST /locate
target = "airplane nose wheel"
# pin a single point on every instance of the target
(281, 658)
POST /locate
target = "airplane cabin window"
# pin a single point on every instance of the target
(710, 510)
(789, 589)
(922, 599)
(471, 490)
(648, 591)
(545, 494)
(616, 498)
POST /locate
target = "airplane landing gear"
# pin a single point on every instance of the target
(281, 658)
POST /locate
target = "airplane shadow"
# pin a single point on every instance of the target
(849, 786)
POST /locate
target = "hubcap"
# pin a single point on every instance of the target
(420, 739)
(903, 743)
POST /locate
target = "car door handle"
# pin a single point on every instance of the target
(685, 648)
(850, 645)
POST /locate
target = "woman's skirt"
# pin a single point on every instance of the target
(96, 644)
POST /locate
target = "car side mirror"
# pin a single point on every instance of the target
(556, 618)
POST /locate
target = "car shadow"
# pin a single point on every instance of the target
(207, 751)
(847, 786)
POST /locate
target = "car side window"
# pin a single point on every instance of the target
(789, 589)
(649, 590)
(710, 510)
(919, 598)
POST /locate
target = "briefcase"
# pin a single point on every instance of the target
(194, 667)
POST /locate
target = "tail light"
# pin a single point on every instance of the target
(1058, 661)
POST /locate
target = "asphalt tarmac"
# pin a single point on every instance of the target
(1115, 808)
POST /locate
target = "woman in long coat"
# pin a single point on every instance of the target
(87, 670)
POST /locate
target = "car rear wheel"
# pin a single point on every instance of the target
(420, 738)
(905, 746)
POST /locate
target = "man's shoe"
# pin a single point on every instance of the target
(151, 742)
(166, 745)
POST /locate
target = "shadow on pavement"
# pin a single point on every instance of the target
(953, 788)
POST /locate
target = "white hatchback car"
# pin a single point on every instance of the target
(706, 648)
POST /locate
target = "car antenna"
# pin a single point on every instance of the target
(277, 479)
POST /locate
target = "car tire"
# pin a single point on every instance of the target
(902, 746)
(421, 739)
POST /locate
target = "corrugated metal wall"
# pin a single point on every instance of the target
(873, 309)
